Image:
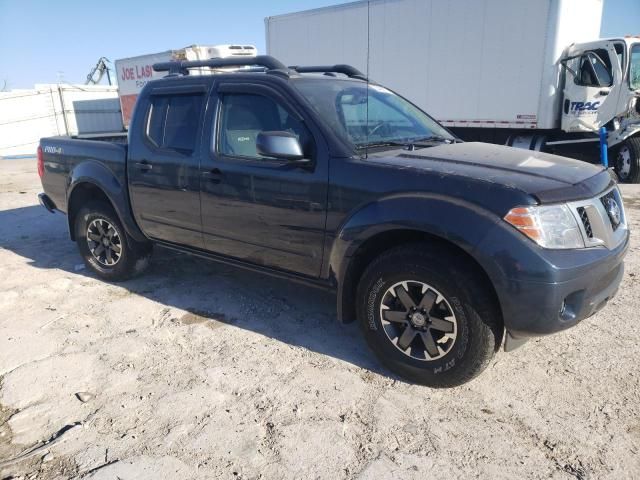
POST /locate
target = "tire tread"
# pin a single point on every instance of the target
(485, 310)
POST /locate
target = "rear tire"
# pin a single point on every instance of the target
(105, 246)
(441, 288)
(627, 161)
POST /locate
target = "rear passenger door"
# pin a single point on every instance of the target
(263, 210)
(163, 169)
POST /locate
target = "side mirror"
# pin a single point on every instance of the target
(283, 145)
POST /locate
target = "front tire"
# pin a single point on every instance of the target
(627, 162)
(104, 245)
(428, 316)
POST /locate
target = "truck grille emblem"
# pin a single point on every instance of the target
(613, 210)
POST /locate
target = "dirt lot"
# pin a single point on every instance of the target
(197, 370)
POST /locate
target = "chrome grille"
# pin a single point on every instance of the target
(585, 221)
(595, 220)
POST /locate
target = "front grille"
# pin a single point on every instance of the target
(585, 221)
(600, 222)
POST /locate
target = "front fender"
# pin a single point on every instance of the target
(629, 128)
(453, 220)
(108, 181)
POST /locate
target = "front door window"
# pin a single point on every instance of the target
(244, 116)
(594, 71)
(634, 75)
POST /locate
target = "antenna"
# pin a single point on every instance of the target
(366, 150)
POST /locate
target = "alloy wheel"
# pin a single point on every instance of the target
(104, 242)
(418, 320)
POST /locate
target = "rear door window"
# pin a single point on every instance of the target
(174, 121)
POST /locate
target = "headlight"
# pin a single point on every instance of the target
(550, 226)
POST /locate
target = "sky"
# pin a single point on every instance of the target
(44, 41)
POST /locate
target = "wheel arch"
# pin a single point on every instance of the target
(82, 193)
(91, 185)
(622, 134)
(439, 220)
(374, 246)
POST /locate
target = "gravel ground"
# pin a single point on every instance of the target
(197, 370)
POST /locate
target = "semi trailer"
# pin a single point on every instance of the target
(526, 74)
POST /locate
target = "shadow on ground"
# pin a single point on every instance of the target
(291, 313)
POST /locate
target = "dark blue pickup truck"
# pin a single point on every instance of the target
(440, 249)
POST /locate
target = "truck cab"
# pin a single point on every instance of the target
(602, 89)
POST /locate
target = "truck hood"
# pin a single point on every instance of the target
(549, 178)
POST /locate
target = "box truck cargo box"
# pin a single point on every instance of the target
(134, 72)
(486, 62)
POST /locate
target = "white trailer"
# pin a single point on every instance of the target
(134, 72)
(527, 73)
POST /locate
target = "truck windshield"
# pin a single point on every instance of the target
(635, 67)
(370, 117)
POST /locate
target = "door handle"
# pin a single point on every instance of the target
(144, 166)
(214, 175)
(604, 92)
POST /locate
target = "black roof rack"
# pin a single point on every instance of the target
(182, 67)
(347, 70)
(259, 62)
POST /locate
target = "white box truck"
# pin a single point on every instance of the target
(134, 72)
(530, 74)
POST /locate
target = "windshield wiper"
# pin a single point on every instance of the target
(383, 144)
(433, 138)
(409, 144)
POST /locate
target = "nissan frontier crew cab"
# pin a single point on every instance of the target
(439, 248)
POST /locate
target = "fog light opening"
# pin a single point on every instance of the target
(571, 305)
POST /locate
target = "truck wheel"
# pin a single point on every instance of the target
(427, 316)
(627, 163)
(104, 245)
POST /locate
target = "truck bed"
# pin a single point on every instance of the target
(68, 159)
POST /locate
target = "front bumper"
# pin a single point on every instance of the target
(545, 291)
(539, 308)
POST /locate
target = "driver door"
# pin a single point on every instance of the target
(592, 88)
(265, 211)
